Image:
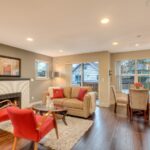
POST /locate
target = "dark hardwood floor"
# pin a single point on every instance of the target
(109, 132)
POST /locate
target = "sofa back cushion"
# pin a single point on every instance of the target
(75, 90)
(67, 92)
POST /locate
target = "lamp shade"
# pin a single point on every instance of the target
(56, 74)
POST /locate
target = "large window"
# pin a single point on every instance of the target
(85, 74)
(130, 71)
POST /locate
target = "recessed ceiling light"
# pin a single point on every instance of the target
(115, 43)
(61, 51)
(136, 44)
(105, 21)
(29, 39)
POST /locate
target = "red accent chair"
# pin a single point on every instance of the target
(3, 110)
(30, 126)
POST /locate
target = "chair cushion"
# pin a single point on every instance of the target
(3, 115)
(46, 127)
(122, 100)
(58, 93)
(73, 103)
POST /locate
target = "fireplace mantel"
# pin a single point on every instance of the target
(12, 79)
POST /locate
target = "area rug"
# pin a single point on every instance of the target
(68, 135)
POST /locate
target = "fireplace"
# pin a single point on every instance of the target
(16, 89)
(13, 97)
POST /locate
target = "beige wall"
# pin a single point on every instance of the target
(28, 68)
(125, 56)
(61, 64)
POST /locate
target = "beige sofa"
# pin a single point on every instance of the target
(76, 107)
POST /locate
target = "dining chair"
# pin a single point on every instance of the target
(139, 100)
(30, 126)
(3, 110)
(120, 98)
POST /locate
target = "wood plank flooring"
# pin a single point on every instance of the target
(109, 132)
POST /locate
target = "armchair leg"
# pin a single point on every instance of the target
(56, 128)
(15, 143)
(35, 146)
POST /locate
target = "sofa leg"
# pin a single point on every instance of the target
(35, 146)
(115, 108)
(15, 143)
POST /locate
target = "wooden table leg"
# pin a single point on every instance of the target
(64, 119)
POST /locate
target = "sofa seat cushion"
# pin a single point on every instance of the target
(59, 101)
(73, 103)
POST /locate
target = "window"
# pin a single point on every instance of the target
(76, 74)
(130, 71)
(42, 69)
(85, 74)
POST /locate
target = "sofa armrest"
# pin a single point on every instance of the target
(89, 103)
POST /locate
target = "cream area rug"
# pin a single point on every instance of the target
(68, 135)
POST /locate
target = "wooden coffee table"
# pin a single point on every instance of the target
(60, 111)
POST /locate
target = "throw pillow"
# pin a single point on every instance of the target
(50, 91)
(82, 93)
(58, 93)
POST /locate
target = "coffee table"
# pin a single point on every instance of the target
(60, 111)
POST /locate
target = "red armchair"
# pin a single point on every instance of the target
(30, 126)
(3, 110)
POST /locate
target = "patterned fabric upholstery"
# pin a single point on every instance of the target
(138, 98)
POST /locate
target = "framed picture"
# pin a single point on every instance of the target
(42, 69)
(10, 67)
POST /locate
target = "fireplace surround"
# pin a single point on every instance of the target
(16, 89)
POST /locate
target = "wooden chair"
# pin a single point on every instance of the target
(120, 98)
(139, 101)
(30, 126)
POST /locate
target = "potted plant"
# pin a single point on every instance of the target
(138, 85)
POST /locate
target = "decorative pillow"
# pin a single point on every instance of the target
(50, 91)
(82, 93)
(58, 93)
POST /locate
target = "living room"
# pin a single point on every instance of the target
(74, 65)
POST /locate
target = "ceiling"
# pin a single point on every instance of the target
(74, 25)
